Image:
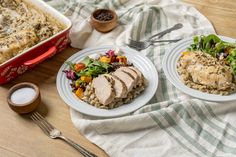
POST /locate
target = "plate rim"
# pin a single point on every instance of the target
(86, 50)
(193, 92)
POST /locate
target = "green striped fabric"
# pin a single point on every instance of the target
(172, 124)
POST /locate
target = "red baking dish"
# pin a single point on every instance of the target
(38, 53)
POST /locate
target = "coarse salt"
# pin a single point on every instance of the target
(22, 96)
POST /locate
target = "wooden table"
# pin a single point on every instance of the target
(20, 137)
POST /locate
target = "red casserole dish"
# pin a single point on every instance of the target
(39, 52)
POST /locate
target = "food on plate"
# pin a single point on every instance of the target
(107, 81)
(104, 15)
(209, 65)
(103, 90)
(118, 85)
(201, 71)
(23, 26)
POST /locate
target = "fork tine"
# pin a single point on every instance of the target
(133, 42)
(53, 133)
(39, 124)
(44, 122)
(134, 45)
(137, 44)
(137, 41)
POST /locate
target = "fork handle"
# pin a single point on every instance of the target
(161, 34)
(159, 41)
(83, 151)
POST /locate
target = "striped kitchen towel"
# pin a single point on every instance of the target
(172, 124)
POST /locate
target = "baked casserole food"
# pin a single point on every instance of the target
(22, 26)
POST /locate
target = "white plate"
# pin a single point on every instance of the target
(169, 66)
(139, 60)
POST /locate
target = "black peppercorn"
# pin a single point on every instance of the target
(104, 16)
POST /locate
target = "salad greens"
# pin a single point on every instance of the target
(93, 67)
(217, 48)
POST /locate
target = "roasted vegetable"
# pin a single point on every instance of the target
(79, 92)
(78, 83)
(86, 79)
(79, 66)
(122, 59)
(185, 53)
(105, 59)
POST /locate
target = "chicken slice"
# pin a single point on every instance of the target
(140, 74)
(103, 90)
(137, 71)
(132, 73)
(126, 78)
(119, 86)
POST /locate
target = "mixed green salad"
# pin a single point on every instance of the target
(82, 73)
(217, 48)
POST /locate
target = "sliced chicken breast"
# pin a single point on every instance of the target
(103, 90)
(119, 86)
(132, 73)
(137, 71)
(141, 77)
(126, 78)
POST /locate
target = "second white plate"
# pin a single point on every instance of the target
(169, 66)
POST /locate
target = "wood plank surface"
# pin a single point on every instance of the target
(221, 13)
(20, 137)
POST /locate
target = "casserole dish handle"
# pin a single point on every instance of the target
(51, 51)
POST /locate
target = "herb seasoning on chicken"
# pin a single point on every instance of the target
(203, 72)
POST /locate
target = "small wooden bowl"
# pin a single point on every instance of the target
(103, 26)
(27, 107)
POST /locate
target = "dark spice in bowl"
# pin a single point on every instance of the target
(104, 16)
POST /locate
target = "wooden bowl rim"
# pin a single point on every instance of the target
(22, 85)
(103, 22)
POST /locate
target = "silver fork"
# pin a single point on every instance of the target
(54, 133)
(143, 45)
(160, 34)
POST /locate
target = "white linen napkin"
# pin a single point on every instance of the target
(172, 124)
